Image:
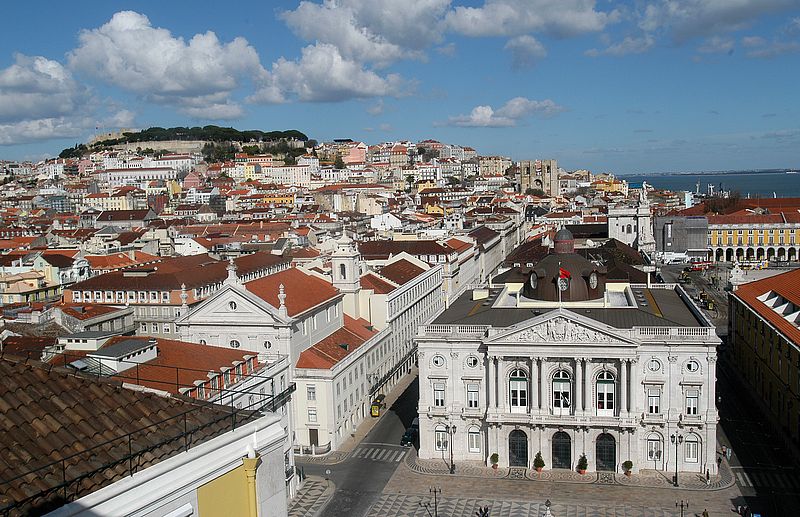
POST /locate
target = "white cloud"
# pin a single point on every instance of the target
(753, 41)
(525, 51)
(716, 45)
(376, 109)
(374, 31)
(130, 53)
(41, 100)
(323, 75)
(510, 114)
(774, 49)
(686, 19)
(515, 17)
(629, 45)
(37, 87)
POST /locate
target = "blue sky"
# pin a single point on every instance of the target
(626, 87)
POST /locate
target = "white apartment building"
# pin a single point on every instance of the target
(137, 176)
(613, 372)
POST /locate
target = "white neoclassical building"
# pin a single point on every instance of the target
(568, 365)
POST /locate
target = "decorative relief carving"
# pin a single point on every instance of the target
(559, 329)
(454, 355)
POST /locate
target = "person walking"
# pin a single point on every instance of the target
(705, 513)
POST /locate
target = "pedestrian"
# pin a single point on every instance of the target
(728, 453)
(719, 460)
(724, 451)
(708, 477)
(705, 512)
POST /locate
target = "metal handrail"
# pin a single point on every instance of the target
(186, 434)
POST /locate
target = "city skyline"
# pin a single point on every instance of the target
(621, 87)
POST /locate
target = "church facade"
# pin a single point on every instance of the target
(615, 372)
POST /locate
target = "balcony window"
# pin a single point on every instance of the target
(692, 398)
(441, 438)
(518, 388)
(562, 390)
(472, 396)
(474, 440)
(438, 395)
(653, 401)
(605, 393)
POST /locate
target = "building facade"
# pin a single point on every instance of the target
(602, 373)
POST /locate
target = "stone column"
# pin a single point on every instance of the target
(635, 386)
(623, 388)
(492, 379)
(578, 385)
(543, 398)
(587, 388)
(533, 397)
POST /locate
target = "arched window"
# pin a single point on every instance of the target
(654, 447)
(629, 230)
(562, 390)
(474, 439)
(342, 272)
(691, 448)
(518, 386)
(605, 393)
(441, 438)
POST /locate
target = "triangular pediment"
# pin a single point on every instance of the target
(562, 326)
(234, 305)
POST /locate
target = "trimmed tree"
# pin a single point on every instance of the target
(538, 462)
(583, 463)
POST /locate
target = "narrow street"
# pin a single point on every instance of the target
(764, 468)
(361, 478)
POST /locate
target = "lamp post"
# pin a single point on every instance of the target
(435, 491)
(451, 431)
(547, 509)
(677, 439)
(683, 505)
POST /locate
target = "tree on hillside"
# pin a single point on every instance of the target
(338, 162)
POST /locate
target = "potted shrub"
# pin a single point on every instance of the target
(494, 458)
(627, 466)
(538, 462)
(583, 464)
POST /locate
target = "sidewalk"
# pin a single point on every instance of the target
(363, 429)
(646, 478)
(312, 497)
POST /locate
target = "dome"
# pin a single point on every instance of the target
(564, 242)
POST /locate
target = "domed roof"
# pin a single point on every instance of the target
(564, 235)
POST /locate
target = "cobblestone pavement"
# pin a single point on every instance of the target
(311, 497)
(411, 506)
(645, 478)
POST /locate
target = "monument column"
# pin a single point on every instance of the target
(578, 385)
(623, 388)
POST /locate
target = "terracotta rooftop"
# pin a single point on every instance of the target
(193, 362)
(329, 351)
(401, 271)
(193, 271)
(376, 284)
(787, 286)
(50, 414)
(120, 260)
(85, 311)
(384, 249)
(303, 291)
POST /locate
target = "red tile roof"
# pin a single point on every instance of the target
(376, 284)
(328, 352)
(193, 362)
(303, 291)
(787, 285)
(401, 271)
(48, 413)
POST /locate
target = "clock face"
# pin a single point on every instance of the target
(563, 284)
(654, 365)
(593, 281)
(533, 281)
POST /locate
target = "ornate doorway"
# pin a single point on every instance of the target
(562, 451)
(606, 453)
(517, 449)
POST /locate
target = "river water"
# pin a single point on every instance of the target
(761, 184)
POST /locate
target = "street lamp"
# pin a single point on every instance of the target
(677, 439)
(547, 504)
(435, 491)
(451, 431)
(683, 505)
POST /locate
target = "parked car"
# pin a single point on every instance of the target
(408, 438)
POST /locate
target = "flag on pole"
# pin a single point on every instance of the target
(563, 273)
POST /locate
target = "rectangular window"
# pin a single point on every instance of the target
(166, 328)
(692, 449)
(154, 328)
(144, 328)
(165, 296)
(692, 398)
(474, 441)
(338, 411)
(438, 395)
(472, 396)
(312, 414)
(654, 401)
(76, 296)
(441, 440)
(338, 391)
(311, 392)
